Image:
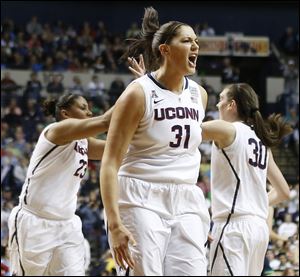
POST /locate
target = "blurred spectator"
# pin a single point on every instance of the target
(117, 52)
(101, 32)
(293, 204)
(292, 117)
(230, 74)
(21, 46)
(5, 211)
(287, 228)
(89, 55)
(288, 42)
(33, 89)
(76, 86)
(99, 66)
(5, 262)
(58, 28)
(34, 27)
(117, 86)
(211, 93)
(133, 31)
(20, 171)
(86, 35)
(8, 84)
(7, 184)
(7, 44)
(34, 45)
(91, 183)
(279, 212)
(61, 63)
(273, 261)
(48, 40)
(284, 263)
(105, 266)
(18, 61)
(55, 87)
(273, 235)
(291, 90)
(75, 64)
(207, 31)
(289, 271)
(9, 89)
(32, 116)
(12, 113)
(96, 92)
(49, 65)
(19, 142)
(107, 55)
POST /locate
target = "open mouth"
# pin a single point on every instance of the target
(193, 60)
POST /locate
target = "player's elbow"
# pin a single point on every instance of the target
(285, 195)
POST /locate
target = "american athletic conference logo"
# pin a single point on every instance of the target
(153, 94)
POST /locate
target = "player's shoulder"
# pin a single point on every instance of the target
(194, 86)
(132, 97)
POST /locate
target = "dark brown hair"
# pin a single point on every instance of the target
(270, 131)
(54, 106)
(150, 37)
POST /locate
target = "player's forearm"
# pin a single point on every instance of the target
(101, 123)
(110, 196)
(276, 198)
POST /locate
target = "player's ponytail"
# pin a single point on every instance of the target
(152, 35)
(143, 44)
(54, 106)
(270, 131)
(49, 106)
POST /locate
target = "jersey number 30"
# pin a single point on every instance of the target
(260, 154)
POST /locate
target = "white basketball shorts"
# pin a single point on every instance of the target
(43, 247)
(170, 224)
(242, 247)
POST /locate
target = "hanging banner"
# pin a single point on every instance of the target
(214, 46)
(251, 46)
(234, 46)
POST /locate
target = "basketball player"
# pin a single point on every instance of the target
(241, 163)
(45, 234)
(156, 216)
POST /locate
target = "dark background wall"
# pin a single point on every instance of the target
(252, 18)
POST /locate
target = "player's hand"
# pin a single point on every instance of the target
(121, 237)
(137, 68)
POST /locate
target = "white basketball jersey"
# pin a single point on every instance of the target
(239, 175)
(164, 147)
(53, 178)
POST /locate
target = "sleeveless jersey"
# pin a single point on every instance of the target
(164, 148)
(53, 178)
(239, 176)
